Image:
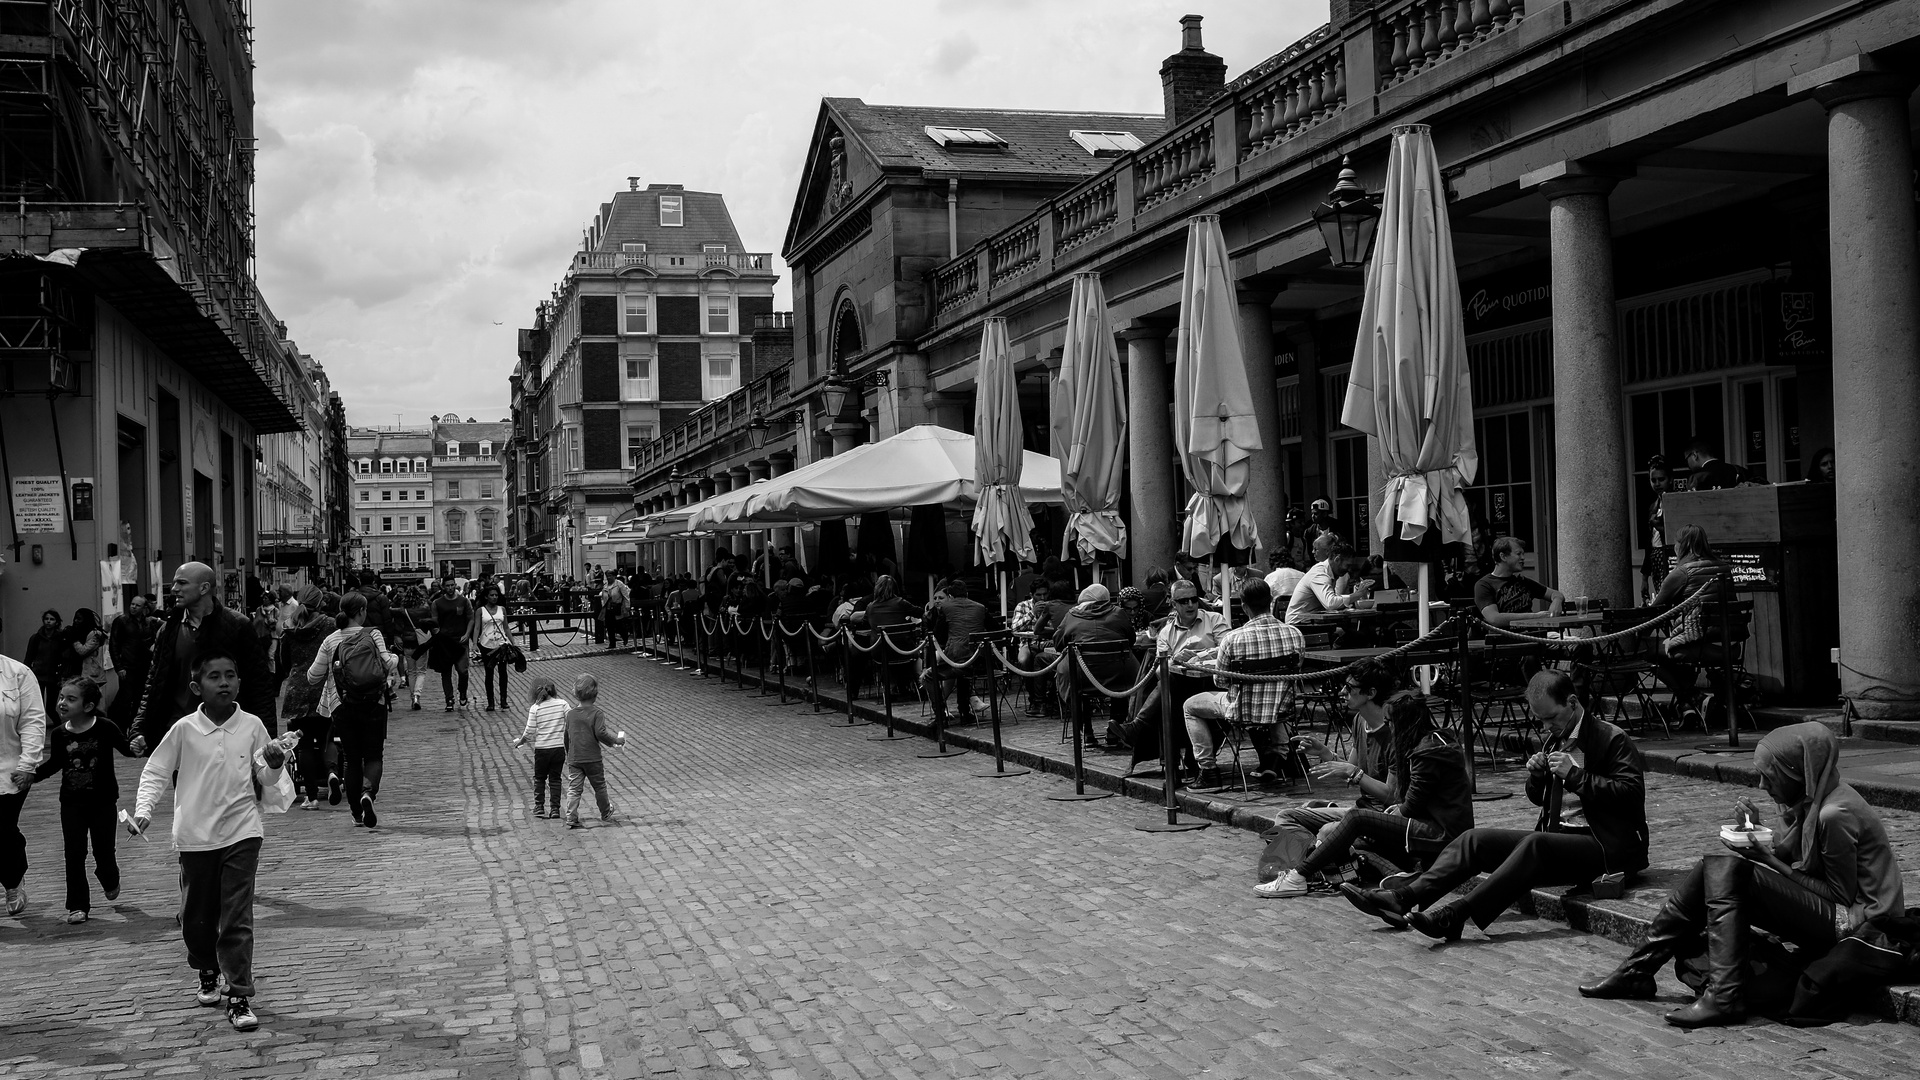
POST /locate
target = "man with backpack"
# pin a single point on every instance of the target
(363, 672)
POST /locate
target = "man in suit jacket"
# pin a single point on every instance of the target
(1589, 785)
(199, 624)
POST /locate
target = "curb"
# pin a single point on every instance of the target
(1624, 921)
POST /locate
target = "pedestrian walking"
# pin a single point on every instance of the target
(451, 650)
(198, 626)
(81, 749)
(217, 827)
(23, 746)
(586, 733)
(300, 702)
(547, 730)
(364, 672)
(490, 633)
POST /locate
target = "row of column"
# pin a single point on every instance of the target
(1875, 282)
(695, 555)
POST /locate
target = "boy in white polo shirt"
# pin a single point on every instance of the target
(223, 766)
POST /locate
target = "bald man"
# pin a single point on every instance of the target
(198, 624)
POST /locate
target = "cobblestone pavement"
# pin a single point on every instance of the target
(781, 898)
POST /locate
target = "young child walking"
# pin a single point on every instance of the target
(82, 745)
(586, 733)
(547, 730)
(224, 769)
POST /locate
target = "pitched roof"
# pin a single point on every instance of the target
(634, 217)
(1038, 142)
(465, 433)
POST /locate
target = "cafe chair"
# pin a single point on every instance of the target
(1236, 736)
(1721, 656)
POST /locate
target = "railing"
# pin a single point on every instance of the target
(1014, 252)
(706, 260)
(724, 417)
(1084, 213)
(1171, 167)
(955, 283)
(1308, 91)
(611, 260)
(1421, 33)
(773, 320)
(739, 260)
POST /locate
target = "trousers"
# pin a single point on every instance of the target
(361, 731)
(1513, 861)
(13, 845)
(1387, 834)
(79, 823)
(578, 777)
(547, 764)
(216, 911)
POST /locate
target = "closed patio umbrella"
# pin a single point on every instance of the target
(1213, 421)
(1409, 386)
(1092, 428)
(1001, 523)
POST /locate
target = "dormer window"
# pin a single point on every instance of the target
(1106, 143)
(670, 215)
(965, 138)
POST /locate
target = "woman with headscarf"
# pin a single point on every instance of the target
(1828, 870)
(300, 708)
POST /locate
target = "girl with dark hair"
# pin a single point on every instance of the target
(86, 653)
(490, 634)
(1430, 802)
(1827, 872)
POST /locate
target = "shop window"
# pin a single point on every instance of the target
(1502, 495)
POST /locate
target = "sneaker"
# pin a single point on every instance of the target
(240, 1015)
(607, 817)
(449, 706)
(333, 789)
(981, 706)
(211, 990)
(16, 900)
(366, 811)
(539, 811)
(1291, 883)
(574, 822)
(465, 704)
(416, 703)
(75, 917)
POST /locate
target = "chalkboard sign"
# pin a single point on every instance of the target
(1755, 569)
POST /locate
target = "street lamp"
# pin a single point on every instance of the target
(838, 385)
(760, 427)
(1348, 219)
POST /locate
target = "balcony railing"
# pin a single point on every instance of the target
(1299, 92)
(719, 419)
(1421, 33)
(706, 260)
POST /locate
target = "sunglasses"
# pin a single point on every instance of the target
(1186, 599)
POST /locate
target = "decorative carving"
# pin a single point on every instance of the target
(839, 188)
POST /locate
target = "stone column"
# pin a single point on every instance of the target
(779, 464)
(1153, 525)
(1593, 544)
(709, 487)
(846, 436)
(1266, 486)
(1876, 378)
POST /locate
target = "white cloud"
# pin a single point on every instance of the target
(426, 166)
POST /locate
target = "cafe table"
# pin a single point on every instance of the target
(1561, 622)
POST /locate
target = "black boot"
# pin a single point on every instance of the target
(1388, 905)
(1443, 923)
(1675, 931)
(1724, 1000)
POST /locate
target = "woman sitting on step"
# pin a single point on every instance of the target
(1826, 872)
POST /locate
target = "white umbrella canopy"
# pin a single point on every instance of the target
(1091, 428)
(1410, 386)
(1213, 421)
(921, 465)
(1001, 523)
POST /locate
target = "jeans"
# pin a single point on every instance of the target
(1514, 862)
(1206, 719)
(547, 763)
(578, 777)
(79, 822)
(462, 666)
(216, 911)
(491, 661)
(1388, 834)
(13, 846)
(317, 756)
(361, 730)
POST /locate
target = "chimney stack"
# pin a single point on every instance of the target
(633, 183)
(1191, 77)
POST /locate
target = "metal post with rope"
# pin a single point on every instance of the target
(1170, 768)
(940, 749)
(1000, 770)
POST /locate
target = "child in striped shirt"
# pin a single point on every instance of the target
(547, 731)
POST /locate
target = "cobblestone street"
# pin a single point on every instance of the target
(781, 898)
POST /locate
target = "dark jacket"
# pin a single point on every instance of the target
(222, 630)
(1439, 790)
(1611, 787)
(1108, 635)
(131, 642)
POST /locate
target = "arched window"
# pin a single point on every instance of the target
(846, 336)
(456, 526)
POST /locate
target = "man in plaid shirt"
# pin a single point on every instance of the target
(1259, 707)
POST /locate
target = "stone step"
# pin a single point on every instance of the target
(1625, 920)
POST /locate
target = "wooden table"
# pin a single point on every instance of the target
(1560, 622)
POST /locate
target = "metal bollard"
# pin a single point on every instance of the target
(1170, 768)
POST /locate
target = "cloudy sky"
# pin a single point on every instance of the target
(427, 166)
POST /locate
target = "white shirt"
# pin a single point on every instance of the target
(23, 722)
(1315, 593)
(1283, 581)
(547, 724)
(1205, 633)
(213, 769)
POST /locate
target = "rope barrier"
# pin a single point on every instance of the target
(1008, 664)
(1699, 597)
(1318, 676)
(1081, 659)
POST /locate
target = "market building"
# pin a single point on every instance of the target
(1673, 222)
(140, 363)
(653, 319)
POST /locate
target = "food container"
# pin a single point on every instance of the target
(1735, 834)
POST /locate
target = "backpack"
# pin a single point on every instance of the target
(358, 671)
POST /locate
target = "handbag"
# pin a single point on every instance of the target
(511, 654)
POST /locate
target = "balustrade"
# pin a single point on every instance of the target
(1165, 170)
(1014, 252)
(1085, 213)
(956, 283)
(1422, 33)
(1305, 93)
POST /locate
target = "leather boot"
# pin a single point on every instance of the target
(1388, 905)
(1443, 923)
(1675, 931)
(1724, 999)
